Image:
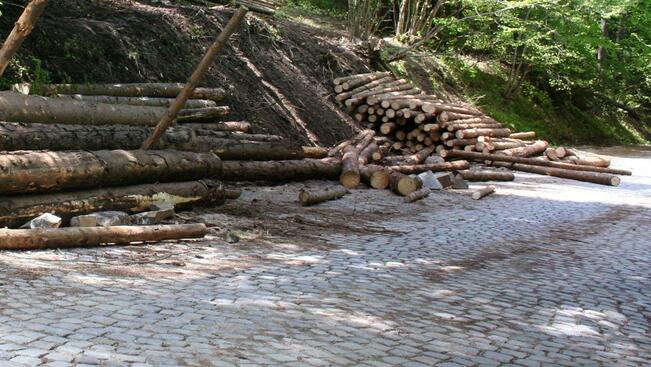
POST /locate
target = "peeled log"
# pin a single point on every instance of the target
(434, 107)
(402, 184)
(26, 171)
(589, 161)
(266, 151)
(375, 176)
(350, 176)
(417, 195)
(529, 161)
(20, 108)
(16, 210)
(207, 114)
(32, 239)
(476, 175)
(594, 177)
(474, 133)
(167, 90)
(529, 150)
(434, 167)
(282, 171)
(483, 192)
(242, 126)
(331, 193)
(138, 101)
(524, 135)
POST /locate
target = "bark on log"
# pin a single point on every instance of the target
(551, 154)
(473, 120)
(360, 80)
(434, 167)
(366, 155)
(164, 90)
(24, 172)
(483, 192)
(460, 142)
(417, 195)
(345, 95)
(433, 107)
(21, 30)
(589, 161)
(477, 175)
(345, 79)
(473, 133)
(402, 184)
(394, 92)
(266, 151)
(456, 127)
(282, 171)
(20, 108)
(208, 114)
(530, 161)
(330, 193)
(447, 116)
(350, 176)
(138, 101)
(33, 239)
(16, 210)
(241, 126)
(367, 138)
(529, 150)
(524, 135)
(594, 177)
(375, 176)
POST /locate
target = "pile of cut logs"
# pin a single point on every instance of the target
(409, 131)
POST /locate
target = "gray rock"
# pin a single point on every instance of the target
(46, 220)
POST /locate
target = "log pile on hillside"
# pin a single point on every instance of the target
(410, 128)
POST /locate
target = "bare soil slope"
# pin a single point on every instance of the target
(277, 71)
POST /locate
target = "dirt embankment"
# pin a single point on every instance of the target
(277, 71)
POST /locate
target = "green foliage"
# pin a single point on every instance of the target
(330, 8)
(40, 77)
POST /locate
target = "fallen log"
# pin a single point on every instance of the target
(234, 126)
(417, 195)
(16, 210)
(21, 30)
(375, 176)
(28, 171)
(366, 155)
(234, 150)
(365, 76)
(481, 157)
(589, 161)
(166, 90)
(345, 95)
(473, 133)
(483, 192)
(350, 176)
(138, 101)
(207, 114)
(594, 177)
(528, 150)
(44, 238)
(434, 167)
(434, 107)
(315, 197)
(524, 135)
(402, 184)
(282, 171)
(484, 175)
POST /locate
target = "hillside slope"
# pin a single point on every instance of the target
(277, 71)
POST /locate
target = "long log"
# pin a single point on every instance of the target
(33, 239)
(589, 161)
(345, 95)
(434, 167)
(359, 80)
(375, 176)
(207, 114)
(234, 150)
(16, 210)
(484, 175)
(473, 133)
(165, 90)
(433, 107)
(241, 126)
(530, 161)
(22, 28)
(538, 147)
(138, 101)
(315, 197)
(464, 126)
(282, 171)
(363, 76)
(472, 120)
(350, 176)
(524, 135)
(594, 177)
(27, 171)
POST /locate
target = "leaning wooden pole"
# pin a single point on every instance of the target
(196, 78)
(22, 29)
(44, 238)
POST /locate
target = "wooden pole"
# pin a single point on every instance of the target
(32, 239)
(196, 78)
(22, 29)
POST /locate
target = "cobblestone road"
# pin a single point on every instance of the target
(545, 272)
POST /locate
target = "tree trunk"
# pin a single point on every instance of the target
(375, 176)
(474, 133)
(594, 177)
(350, 176)
(16, 210)
(434, 167)
(138, 101)
(165, 90)
(530, 161)
(266, 151)
(21, 30)
(33, 239)
(330, 193)
(20, 108)
(476, 175)
(282, 171)
(589, 161)
(417, 195)
(25, 172)
(435, 107)
(241, 126)
(528, 150)
(402, 184)
(208, 114)
(366, 155)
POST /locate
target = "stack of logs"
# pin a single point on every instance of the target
(413, 128)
